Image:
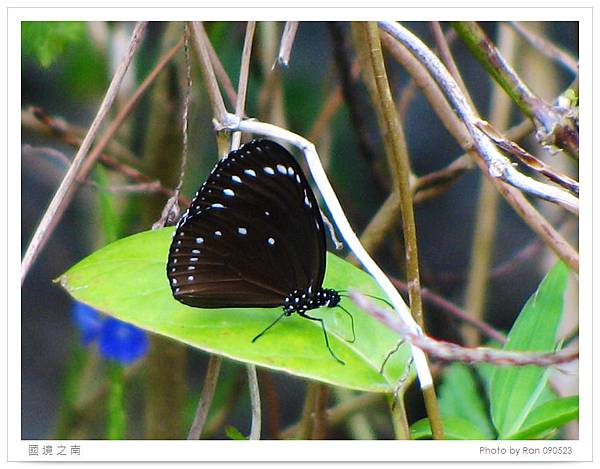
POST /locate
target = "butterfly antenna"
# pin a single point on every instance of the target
(269, 326)
(324, 334)
(369, 296)
(351, 322)
(389, 355)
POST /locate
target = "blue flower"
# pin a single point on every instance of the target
(118, 340)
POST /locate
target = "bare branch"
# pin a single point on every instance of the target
(65, 190)
(455, 353)
(546, 47)
(287, 41)
(498, 165)
(206, 397)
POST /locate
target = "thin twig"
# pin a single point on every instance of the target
(203, 50)
(287, 41)
(206, 397)
(62, 197)
(514, 197)
(221, 74)
(546, 47)
(319, 431)
(498, 166)
(394, 132)
(556, 125)
(340, 412)
(68, 136)
(455, 353)
(255, 402)
(349, 88)
(451, 309)
(243, 80)
(487, 213)
(170, 211)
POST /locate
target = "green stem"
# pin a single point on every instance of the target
(393, 132)
(557, 127)
(116, 416)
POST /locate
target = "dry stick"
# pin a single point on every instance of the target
(555, 125)
(66, 134)
(214, 94)
(67, 187)
(395, 133)
(303, 428)
(340, 412)
(514, 197)
(319, 431)
(255, 427)
(546, 47)
(487, 210)
(455, 353)
(206, 397)
(350, 92)
(447, 58)
(453, 310)
(287, 41)
(498, 166)
(220, 73)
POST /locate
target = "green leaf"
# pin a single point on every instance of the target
(515, 390)
(46, 40)
(455, 428)
(547, 417)
(127, 279)
(233, 433)
(460, 397)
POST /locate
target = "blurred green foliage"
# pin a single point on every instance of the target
(67, 46)
(47, 40)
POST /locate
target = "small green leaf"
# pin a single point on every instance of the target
(460, 397)
(515, 390)
(233, 433)
(455, 428)
(547, 417)
(127, 279)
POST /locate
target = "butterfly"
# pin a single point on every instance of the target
(253, 236)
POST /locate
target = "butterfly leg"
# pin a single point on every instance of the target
(351, 322)
(270, 326)
(325, 334)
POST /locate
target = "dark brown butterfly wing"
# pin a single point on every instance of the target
(252, 234)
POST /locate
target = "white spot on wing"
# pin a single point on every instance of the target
(173, 281)
(298, 180)
(271, 241)
(282, 169)
(228, 192)
(250, 172)
(269, 170)
(199, 240)
(290, 171)
(190, 278)
(236, 179)
(195, 251)
(242, 230)
(217, 205)
(218, 233)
